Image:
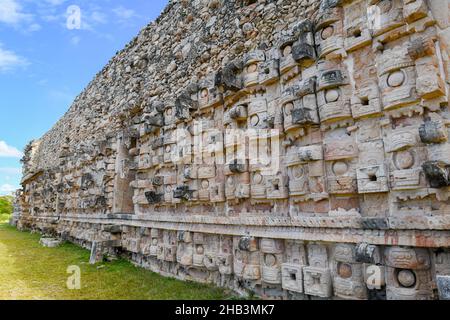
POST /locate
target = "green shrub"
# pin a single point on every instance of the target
(6, 208)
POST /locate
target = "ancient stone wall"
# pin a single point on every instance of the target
(297, 149)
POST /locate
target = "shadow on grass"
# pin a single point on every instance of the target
(30, 271)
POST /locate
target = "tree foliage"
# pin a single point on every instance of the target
(6, 205)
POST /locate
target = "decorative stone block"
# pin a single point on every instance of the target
(317, 282)
(292, 277)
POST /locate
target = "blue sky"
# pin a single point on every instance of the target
(47, 57)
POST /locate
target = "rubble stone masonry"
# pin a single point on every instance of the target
(296, 149)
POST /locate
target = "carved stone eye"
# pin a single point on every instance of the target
(204, 93)
(385, 6)
(270, 260)
(287, 51)
(344, 270)
(340, 167)
(327, 32)
(288, 108)
(254, 120)
(332, 95)
(257, 178)
(299, 172)
(252, 68)
(396, 79)
(404, 160)
(200, 250)
(406, 278)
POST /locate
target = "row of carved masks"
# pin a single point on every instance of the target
(326, 35)
(409, 71)
(211, 252)
(352, 25)
(406, 274)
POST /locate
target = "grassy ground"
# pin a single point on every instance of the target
(30, 271)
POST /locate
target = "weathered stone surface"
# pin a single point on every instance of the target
(293, 149)
(50, 242)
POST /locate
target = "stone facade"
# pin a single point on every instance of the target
(297, 149)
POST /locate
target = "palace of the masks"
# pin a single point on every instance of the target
(294, 149)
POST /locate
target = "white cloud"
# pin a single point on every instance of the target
(8, 151)
(11, 12)
(124, 13)
(7, 189)
(9, 60)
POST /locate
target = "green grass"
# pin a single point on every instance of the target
(30, 271)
